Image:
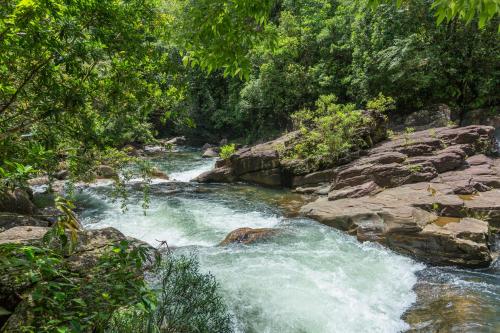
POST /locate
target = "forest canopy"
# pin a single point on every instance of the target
(82, 78)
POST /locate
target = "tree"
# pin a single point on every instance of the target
(466, 10)
(80, 77)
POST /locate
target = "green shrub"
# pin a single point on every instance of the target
(65, 298)
(381, 103)
(188, 301)
(227, 150)
(328, 131)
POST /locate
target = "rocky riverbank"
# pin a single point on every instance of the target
(432, 194)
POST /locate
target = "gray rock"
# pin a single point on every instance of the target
(23, 234)
(17, 201)
(11, 220)
(210, 152)
(105, 171)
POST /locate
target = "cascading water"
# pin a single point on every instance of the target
(308, 278)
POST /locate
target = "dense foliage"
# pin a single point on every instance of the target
(351, 50)
(81, 78)
(68, 298)
(112, 294)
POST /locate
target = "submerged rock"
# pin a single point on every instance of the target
(248, 235)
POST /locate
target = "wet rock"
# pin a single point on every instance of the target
(210, 152)
(105, 171)
(409, 220)
(157, 173)
(248, 235)
(177, 141)
(17, 201)
(11, 220)
(443, 305)
(268, 177)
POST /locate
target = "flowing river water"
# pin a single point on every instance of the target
(308, 278)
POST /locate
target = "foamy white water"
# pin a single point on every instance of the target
(188, 175)
(309, 278)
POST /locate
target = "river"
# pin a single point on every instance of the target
(309, 278)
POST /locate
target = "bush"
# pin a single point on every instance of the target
(227, 150)
(64, 298)
(188, 301)
(112, 295)
(327, 132)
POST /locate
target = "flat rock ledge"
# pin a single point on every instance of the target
(427, 221)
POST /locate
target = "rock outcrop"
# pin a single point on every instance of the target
(425, 220)
(259, 164)
(408, 158)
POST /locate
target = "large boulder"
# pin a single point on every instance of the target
(17, 201)
(248, 235)
(427, 221)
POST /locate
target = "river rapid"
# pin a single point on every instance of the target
(309, 277)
